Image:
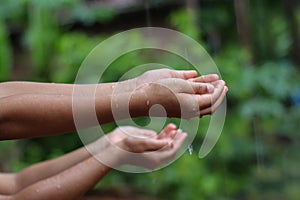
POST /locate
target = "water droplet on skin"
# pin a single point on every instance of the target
(190, 149)
(37, 190)
(148, 102)
(112, 87)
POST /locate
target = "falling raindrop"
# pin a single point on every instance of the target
(148, 18)
(190, 149)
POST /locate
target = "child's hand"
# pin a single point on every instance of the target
(144, 148)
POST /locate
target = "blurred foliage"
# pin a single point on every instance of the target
(257, 154)
(5, 53)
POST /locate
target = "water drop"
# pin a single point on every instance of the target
(148, 17)
(148, 102)
(190, 149)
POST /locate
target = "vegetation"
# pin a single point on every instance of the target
(255, 47)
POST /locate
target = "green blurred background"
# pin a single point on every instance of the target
(256, 46)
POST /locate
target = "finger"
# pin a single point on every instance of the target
(206, 78)
(185, 74)
(167, 154)
(148, 133)
(214, 107)
(154, 144)
(171, 151)
(178, 140)
(171, 136)
(170, 127)
(207, 100)
(192, 87)
(203, 88)
(218, 82)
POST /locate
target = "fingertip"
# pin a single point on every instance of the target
(172, 126)
(193, 72)
(219, 83)
(173, 134)
(216, 76)
(184, 135)
(222, 82)
(188, 74)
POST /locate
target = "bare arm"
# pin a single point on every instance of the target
(11, 183)
(29, 115)
(77, 180)
(69, 184)
(17, 87)
(30, 108)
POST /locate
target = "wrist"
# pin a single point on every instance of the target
(112, 156)
(126, 85)
(139, 104)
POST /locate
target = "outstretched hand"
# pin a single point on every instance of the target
(142, 147)
(184, 98)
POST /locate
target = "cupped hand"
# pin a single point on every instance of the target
(185, 98)
(141, 147)
(153, 151)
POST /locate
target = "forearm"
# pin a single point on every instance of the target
(24, 116)
(28, 115)
(16, 88)
(6, 197)
(55, 166)
(49, 168)
(70, 184)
